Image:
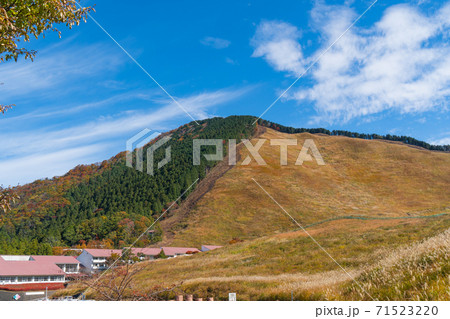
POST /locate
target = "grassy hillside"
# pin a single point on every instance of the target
(361, 178)
(273, 267)
(380, 209)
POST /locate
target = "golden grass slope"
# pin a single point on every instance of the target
(361, 177)
(376, 253)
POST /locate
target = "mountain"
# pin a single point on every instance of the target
(109, 204)
(379, 209)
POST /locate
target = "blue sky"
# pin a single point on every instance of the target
(83, 97)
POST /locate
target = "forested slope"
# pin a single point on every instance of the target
(110, 202)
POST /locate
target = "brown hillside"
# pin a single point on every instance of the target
(361, 177)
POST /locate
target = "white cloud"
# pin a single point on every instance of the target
(62, 110)
(400, 63)
(442, 141)
(27, 155)
(277, 43)
(216, 43)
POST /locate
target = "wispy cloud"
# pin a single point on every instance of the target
(400, 63)
(216, 43)
(28, 168)
(231, 61)
(54, 68)
(64, 110)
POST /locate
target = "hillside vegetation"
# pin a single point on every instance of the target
(380, 209)
(361, 179)
(420, 271)
(274, 267)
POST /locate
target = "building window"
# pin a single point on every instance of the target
(71, 268)
(56, 278)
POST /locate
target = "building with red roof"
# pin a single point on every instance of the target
(96, 259)
(146, 253)
(105, 253)
(20, 272)
(69, 264)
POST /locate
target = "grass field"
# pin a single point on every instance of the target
(417, 272)
(274, 267)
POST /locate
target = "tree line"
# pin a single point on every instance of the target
(404, 139)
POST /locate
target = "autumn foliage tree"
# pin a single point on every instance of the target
(7, 198)
(4, 108)
(21, 20)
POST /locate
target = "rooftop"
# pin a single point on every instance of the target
(56, 259)
(28, 268)
(146, 251)
(172, 251)
(103, 252)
